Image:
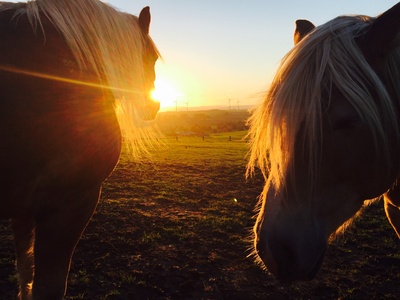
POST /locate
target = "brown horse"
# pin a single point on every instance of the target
(73, 75)
(327, 138)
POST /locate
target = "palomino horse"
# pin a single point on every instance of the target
(327, 138)
(73, 75)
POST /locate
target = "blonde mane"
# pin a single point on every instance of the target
(106, 41)
(328, 56)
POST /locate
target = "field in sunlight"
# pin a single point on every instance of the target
(177, 227)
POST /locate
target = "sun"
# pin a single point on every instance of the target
(166, 93)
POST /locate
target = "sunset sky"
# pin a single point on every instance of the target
(229, 49)
(215, 50)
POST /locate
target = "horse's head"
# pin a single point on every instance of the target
(326, 137)
(149, 58)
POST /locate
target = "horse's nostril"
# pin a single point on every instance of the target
(285, 257)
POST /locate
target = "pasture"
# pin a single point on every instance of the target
(177, 227)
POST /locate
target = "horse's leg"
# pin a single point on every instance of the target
(24, 236)
(392, 208)
(56, 237)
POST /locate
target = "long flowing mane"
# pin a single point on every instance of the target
(329, 56)
(105, 41)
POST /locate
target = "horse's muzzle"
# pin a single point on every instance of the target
(288, 263)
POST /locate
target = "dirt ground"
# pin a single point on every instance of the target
(167, 230)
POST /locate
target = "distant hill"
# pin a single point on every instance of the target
(209, 107)
(202, 122)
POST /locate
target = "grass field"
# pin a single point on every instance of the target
(177, 227)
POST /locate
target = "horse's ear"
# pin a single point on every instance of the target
(303, 27)
(382, 36)
(144, 20)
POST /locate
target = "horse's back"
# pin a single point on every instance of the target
(54, 133)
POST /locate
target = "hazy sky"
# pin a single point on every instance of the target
(219, 49)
